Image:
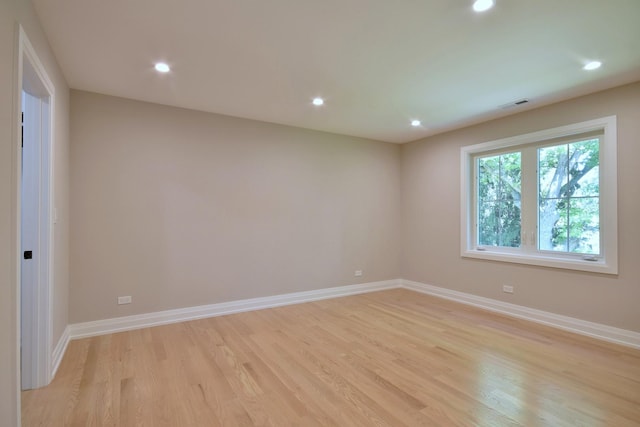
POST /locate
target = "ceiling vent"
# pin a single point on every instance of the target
(514, 104)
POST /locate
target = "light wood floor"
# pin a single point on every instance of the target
(392, 358)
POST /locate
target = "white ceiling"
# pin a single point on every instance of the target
(378, 63)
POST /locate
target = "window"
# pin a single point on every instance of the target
(498, 200)
(547, 198)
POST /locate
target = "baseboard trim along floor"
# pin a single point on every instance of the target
(128, 323)
(582, 327)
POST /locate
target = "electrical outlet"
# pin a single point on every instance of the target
(124, 300)
(508, 289)
(358, 273)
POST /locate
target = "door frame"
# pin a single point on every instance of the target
(30, 71)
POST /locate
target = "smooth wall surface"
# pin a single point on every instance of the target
(179, 208)
(8, 314)
(431, 218)
(11, 13)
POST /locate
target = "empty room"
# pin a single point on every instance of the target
(333, 213)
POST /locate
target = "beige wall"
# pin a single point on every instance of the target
(179, 208)
(431, 218)
(12, 12)
(8, 325)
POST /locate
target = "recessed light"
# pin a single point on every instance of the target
(318, 101)
(593, 65)
(415, 123)
(482, 5)
(162, 67)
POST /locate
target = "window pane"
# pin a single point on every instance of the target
(584, 225)
(568, 202)
(584, 171)
(553, 170)
(509, 224)
(552, 225)
(510, 176)
(488, 178)
(488, 224)
(499, 179)
(499, 224)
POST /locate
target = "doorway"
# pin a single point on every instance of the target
(36, 214)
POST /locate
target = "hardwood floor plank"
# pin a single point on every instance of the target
(391, 358)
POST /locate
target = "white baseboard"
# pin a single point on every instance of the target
(127, 323)
(583, 327)
(58, 352)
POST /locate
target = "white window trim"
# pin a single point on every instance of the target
(608, 262)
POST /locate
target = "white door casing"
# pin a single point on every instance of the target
(35, 189)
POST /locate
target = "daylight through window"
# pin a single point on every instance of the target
(546, 198)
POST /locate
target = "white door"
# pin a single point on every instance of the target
(36, 218)
(30, 232)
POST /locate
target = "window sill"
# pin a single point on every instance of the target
(567, 263)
